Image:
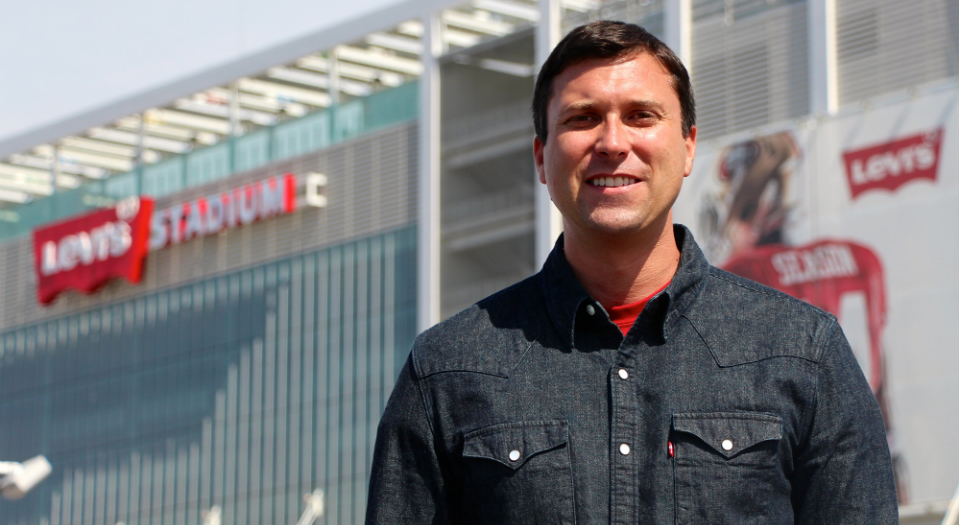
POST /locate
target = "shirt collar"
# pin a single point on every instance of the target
(565, 296)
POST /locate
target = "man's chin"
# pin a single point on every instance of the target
(623, 225)
(617, 228)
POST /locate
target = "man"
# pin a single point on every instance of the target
(629, 381)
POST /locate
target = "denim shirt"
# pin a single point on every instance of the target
(726, 402)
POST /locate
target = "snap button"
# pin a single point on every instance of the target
(590, 310)
(514, 455)
(624, 449)
(623, 374)
(727, 445)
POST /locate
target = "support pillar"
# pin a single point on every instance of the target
(549, 222)
(140, 150)
(678, 22)
(823, 71)
(334, 75)
(55, 170)
(428, 241)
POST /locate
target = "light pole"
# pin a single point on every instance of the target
(18, 478)
(212, 516)
(952, 514)
(314, 507)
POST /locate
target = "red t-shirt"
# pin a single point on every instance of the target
(625, 315)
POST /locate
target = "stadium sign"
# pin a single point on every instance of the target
(86, 251)
(229, 209)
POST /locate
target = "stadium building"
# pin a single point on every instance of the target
(210, 287)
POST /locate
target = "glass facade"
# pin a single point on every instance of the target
(245, 391)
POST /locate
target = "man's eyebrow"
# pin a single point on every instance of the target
(587, 105)
(578, 106)
(648, 103)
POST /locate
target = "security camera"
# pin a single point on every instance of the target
(22, 477)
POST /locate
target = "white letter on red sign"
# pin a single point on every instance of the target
(48, 260)
(121, 238)
(69, 253)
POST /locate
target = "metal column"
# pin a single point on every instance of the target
(549, 222)
(824, 85)
(140, 153)
(334, 76)
(428, 242)
(55, 170)
(678, 16)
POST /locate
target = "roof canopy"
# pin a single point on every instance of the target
(375, 52)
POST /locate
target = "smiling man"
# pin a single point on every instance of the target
(629, 381)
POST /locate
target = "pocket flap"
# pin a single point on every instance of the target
(513, 443)
(729, 433)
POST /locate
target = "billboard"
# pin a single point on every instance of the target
(856, 214)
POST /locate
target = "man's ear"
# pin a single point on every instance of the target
(538, 158)
(690, 151)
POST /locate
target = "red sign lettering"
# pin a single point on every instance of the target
(890, 165)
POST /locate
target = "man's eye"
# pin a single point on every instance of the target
(580, 119)
(643, 115)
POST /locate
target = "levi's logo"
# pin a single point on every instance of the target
(890, 165)
(85, 252)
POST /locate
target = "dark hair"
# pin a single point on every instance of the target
(605, 39)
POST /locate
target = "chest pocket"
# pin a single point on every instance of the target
(518, 473)
(727, 469)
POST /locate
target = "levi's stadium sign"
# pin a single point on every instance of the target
(86, 251)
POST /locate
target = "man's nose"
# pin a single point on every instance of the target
(612, 142)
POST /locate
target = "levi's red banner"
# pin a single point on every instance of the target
(892, 164)
(84, 252)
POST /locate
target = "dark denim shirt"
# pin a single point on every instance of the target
(531, 407)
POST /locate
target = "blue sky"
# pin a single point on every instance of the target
(59, 58)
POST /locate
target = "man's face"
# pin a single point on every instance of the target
(615, 156)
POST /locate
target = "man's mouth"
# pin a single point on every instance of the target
(612, 182)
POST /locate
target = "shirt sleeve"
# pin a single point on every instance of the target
(843, 473)
(406, 484)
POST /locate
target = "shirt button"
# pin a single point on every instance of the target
(727, 445)
(623, 374)
(624, 449)
(514, 455)
(590, 310)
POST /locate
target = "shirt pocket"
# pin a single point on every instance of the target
(727, 469)
(518, 473)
